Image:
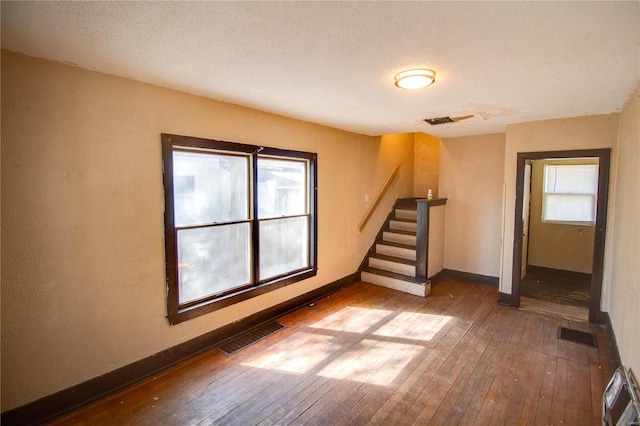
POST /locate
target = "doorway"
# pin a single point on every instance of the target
(522, 227)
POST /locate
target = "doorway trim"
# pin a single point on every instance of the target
(604, 158)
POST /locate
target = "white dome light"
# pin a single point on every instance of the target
(415, 78)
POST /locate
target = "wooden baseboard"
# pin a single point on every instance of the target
(614, 353)
(437, 278)
(505, 299)
(472, 278)
(467, 277)
(66, 400)
(560, 273)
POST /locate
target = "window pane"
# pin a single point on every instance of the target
(571, 179)
(283, 246)
(281, 187)
(569, 208)
(570, 192)
(184, 195)
(209, 188)
(212, 260)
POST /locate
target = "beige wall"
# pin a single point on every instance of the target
(436, 238)
(471, 178)
(624, 271)
(427, 164)
(555, 245)
(592, 132)
(83, 282)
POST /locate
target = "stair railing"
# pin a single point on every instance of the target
(373, 207)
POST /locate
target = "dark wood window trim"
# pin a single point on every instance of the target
(177, 313)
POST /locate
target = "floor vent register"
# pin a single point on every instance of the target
(244, 340)
(577, 336)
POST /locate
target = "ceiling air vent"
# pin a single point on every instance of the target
(443, 120)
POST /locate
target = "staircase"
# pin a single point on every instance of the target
(392, 259)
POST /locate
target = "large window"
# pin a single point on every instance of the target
(240, 220)
(570, 193)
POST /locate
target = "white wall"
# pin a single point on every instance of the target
(624, 266)
(592, 132)
(471, 176)
(83, 274)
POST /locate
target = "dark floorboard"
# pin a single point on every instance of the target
(555, 289)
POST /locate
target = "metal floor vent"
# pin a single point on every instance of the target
(578, 336)
(249, 338)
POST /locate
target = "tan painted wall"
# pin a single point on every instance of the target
(83, 276)
(592, 132)
(554, 245)
(624, 301)
(471, 178)
(427, 164)
(435, 261)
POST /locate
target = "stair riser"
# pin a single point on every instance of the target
(387, 265)
(399, 238)
(403, 226)
(406, 287)
(406, 214)
(396, 251)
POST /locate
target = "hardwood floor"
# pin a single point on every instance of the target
(575, 313)
(370, 355)
(551, 288)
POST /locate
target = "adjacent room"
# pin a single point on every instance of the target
(318, 212)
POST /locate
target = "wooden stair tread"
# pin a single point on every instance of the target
(401, 219)
(393, 259)
(400, 231)
(396, 276)
(399, 245)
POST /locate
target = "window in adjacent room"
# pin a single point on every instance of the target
(240, 220)
(570, 193)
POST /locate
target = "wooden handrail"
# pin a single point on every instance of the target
(373, 207)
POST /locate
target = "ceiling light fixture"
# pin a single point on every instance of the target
(415, 78)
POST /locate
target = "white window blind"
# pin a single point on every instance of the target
(569, 193)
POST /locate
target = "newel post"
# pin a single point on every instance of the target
(430, 242)
(422, 239)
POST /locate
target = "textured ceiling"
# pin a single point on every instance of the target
(333, 62)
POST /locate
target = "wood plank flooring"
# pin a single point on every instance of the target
(552, 288)
(371, 355)
(575, 313)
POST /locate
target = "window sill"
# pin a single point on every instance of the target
(185, 314)
(559, 222)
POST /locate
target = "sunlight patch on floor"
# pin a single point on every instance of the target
(368, 362)
(303, 353)
(365, 358)
(403, 326)
(352, 319)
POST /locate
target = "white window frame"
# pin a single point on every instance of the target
(593, 195)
